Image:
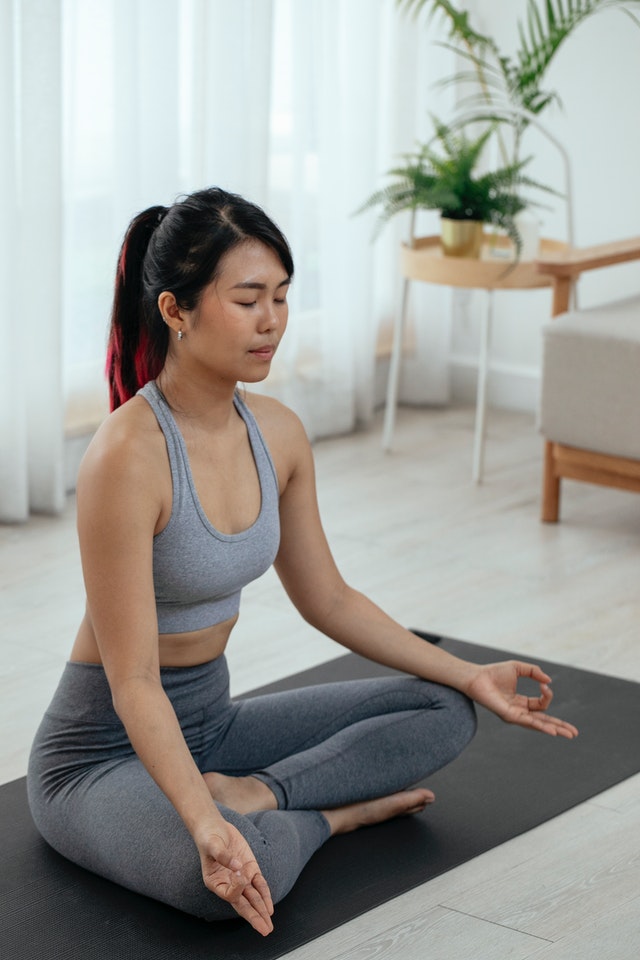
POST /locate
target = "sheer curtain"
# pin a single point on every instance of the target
(118, 104)
(31, 439)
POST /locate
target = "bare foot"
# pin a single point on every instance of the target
(242, 794)
(368, 812)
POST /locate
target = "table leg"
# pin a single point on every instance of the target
(394, 370)
(481, 398)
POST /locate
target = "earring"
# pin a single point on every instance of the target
(179, 334)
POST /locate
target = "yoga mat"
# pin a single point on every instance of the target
(508, 781)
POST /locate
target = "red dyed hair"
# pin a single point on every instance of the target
(133, 356)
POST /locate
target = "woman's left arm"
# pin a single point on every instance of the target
(313, 582)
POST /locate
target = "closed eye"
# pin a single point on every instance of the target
(252, 303)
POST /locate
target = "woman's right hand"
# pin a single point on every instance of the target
(230, 870)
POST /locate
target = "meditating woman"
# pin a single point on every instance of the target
(143, 769)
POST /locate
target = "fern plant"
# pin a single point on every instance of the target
(441, 175)
(518, 79)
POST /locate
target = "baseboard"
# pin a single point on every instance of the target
(509, 386)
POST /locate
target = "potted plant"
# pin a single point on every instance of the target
(441, 175)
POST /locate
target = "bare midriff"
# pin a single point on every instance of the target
(176, 649)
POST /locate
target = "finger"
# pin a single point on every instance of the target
(254, 904)
(546, 724)
(533, 671)
(257, 892)
(249, 884)
(262, 887)
(253, 877)
(262, 906)
(563, 728)
(543, 701)
(259, 920)
(560, 725)
(229, 887)
(220, 850)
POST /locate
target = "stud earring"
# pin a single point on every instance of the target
(179, 334)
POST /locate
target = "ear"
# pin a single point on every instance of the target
(171, 313)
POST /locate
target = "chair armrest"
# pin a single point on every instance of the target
(575, 262)
(566, 268)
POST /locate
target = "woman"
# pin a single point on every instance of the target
(143, 769)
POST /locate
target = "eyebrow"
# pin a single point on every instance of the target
(254, 285)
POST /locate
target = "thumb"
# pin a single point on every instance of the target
(218, 848)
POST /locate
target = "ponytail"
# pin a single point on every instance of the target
(179, 250)
(138, 339)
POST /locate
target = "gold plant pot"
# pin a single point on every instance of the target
(461, 238)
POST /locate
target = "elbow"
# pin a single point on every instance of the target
(132, 696)
(325, 613)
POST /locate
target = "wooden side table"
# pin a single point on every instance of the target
(424, 261)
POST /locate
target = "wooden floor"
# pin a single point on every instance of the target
(441, 554)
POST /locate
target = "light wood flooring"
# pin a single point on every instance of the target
(441, 554)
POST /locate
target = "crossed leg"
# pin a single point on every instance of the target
(351, 753)
(248, 795)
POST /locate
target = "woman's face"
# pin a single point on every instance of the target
(235, 330)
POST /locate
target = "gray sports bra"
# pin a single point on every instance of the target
(198, 572)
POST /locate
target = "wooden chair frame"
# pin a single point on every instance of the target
(561, 461)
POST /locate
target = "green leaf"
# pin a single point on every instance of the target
(441, 175)
(541, 35)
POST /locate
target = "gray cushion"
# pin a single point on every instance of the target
(590, 394)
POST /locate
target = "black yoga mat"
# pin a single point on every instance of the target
(508, 781)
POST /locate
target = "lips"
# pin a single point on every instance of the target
(264, 353)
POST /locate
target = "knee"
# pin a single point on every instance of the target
(463, 719)
(287, 840)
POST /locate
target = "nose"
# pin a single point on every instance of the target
(273, 316)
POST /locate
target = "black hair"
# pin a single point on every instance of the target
(178, 249)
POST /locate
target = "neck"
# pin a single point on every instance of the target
(198, 402)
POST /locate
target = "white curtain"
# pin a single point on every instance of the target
(300, 105)
(31, 439)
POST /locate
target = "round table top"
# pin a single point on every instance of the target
(494, 270)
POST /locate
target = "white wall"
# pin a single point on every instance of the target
(597, 75)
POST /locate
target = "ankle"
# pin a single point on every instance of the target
(242, 794)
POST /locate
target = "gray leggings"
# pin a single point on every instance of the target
(315, 747)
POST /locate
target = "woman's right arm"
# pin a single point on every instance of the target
(118, 503)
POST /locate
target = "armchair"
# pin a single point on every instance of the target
(590, 396)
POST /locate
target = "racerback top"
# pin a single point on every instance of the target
(199, 572)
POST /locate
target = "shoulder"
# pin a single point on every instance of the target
(127, 451)
(274, 418)
(283, 432)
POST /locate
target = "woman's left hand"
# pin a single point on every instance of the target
(495, 687)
